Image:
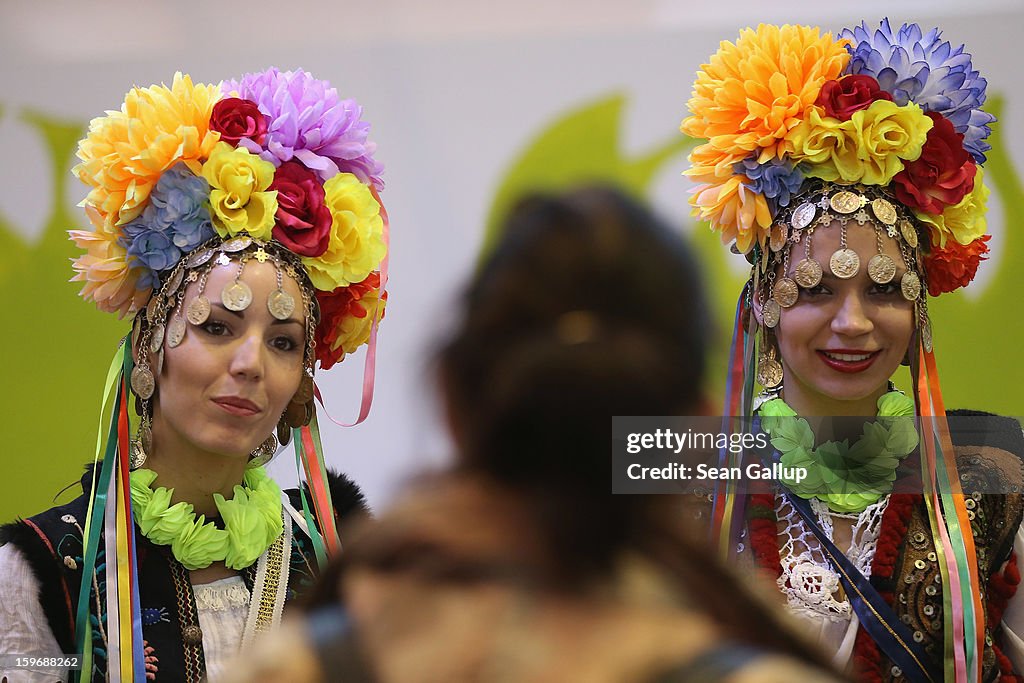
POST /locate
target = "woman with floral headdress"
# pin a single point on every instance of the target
(239, 225)
(849, 171)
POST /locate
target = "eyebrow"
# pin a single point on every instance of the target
(241, 315)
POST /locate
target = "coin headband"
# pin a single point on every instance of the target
(165, 319)
(821, 205)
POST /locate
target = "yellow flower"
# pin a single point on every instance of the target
(126, 151)
(353, 330)
(753, 93)
(109, 281)
(357, 244)
(734, 210)
(869, 148)
(239, 200)
(964, 221)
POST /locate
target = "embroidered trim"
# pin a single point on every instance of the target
(270, 587)
(188, 621)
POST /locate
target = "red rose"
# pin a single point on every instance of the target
(942, 175)
(335, 306)
(955, 266)
(849, 94)
(235, 118)
(303, 219)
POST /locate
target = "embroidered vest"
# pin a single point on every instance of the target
(52, 542)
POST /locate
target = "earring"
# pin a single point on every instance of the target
(143, 441)
(264, 453)
(769, 370)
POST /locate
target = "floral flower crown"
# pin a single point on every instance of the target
(273, 156)
(900, 110)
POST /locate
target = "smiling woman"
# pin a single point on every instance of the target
(247, 253)
(848, 170)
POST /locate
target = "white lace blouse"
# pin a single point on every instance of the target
(810, 584)
(222, 607)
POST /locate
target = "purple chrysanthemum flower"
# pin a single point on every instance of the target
(927, 71)
(777, 179)
(307, 121)
(176, 221)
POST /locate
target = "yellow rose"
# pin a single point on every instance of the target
(869, 148)
(239, 200)
(964, 221)
(353, 330)
(357, 244)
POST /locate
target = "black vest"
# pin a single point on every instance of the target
(52, 542)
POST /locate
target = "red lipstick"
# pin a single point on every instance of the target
(237, 405)
(848, 360)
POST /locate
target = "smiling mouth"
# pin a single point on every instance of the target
(849, 361)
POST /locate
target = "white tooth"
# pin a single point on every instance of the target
(848, 357)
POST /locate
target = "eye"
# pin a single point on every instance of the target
(815, 291)
(284, 343)
(888, 289)
(214, 328)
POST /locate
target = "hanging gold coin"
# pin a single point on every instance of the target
(142, 382)
(926, 335)
(803, 216)
(910, 285)
(771, 313)
(884, 210)
(198, 310)
(156, 339)
(175, 281)
(846, 202)
(909, 234)
(237, 296)
(304, 394)
(808, 273)
(777, 237)
(881, 269)
(199, 258)
(175, 330)
(236, 244)
(769, 372)
(153, 307)
(844, 263)
(786, 292)
(281, 304)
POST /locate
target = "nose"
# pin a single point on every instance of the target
(853, 318)
(247, 361)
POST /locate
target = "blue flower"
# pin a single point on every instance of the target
(777, 179)
(151, 249)
(178, 207)
(176, 221)
(927, 71)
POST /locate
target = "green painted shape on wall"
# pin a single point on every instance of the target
(57, 348)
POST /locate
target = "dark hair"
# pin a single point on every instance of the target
(589, 307)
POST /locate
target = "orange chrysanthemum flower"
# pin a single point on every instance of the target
(734, 210)
(754, 92)
(109, 281)
(126, 151)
